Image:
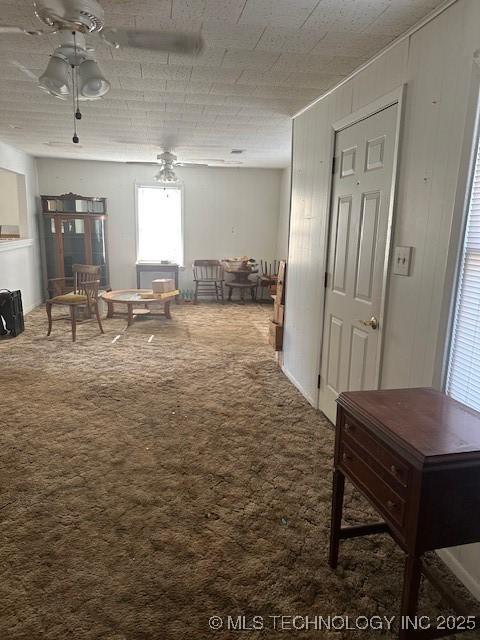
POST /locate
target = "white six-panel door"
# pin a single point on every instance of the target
(359, 222)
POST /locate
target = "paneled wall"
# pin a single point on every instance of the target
(436, 64)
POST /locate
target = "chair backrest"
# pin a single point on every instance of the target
(269, 270)
(85, 273)
(90, 289)
(207, 270)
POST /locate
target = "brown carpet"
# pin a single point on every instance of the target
(148, 486)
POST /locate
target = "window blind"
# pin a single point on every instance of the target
(463, 378)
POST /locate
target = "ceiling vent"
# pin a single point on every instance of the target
(237, 151)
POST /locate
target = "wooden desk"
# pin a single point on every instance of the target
(157, 267)
(415, 455)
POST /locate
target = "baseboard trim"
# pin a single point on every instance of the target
(294, 381)
(471, 583)
(31, 307)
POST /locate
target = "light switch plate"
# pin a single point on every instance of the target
(402, 259)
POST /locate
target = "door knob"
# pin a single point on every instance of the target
(373, 322)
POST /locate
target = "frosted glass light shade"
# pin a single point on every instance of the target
(56, 78)
(92, 82)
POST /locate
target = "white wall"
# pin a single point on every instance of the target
(436, 64)
(20, 260)
(228, 212)
(284, 217)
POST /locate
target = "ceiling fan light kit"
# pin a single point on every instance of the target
(167, 175)
(69, 59)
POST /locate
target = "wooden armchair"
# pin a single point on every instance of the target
(84, 296)
(209, 278)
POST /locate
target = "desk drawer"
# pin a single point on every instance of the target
(390, 467)
(379, 492)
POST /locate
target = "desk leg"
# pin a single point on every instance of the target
(130, 314)
(166, 310)
(411, 586)
(109, 309)
(336, 522)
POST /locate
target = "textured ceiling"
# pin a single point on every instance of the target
(264, 60)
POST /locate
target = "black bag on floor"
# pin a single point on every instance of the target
(11, 312)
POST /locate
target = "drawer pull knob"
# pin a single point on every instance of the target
(391, 505)
(346, 457)
(349, 427)
(395, 470)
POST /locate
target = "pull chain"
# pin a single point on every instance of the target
(76, 101)
(75, 138)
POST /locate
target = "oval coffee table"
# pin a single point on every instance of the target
(133, 299)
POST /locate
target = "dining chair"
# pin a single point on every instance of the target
(209, 277)
(84, 296)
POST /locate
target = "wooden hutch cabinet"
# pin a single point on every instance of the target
(73, 231)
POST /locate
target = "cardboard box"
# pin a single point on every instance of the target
(149, 295)
(163, 285)
(276, 336)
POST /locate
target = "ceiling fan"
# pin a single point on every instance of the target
(167, 157)
(72, 70)
(168, 160)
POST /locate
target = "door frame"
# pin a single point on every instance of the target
(395, 97)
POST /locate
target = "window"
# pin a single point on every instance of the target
(160, 224)
(463, 377)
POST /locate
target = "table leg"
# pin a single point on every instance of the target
(166, 309)
(411, 586)
(109, 309)
(73, 318)
(49, 316)
(130, 314)
(230, 289)
(176, 285)
(336, 521)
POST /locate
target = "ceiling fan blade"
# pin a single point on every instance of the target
(191, 164)
(24, 70)
(172, 42)
(4, 28)
(149, 164)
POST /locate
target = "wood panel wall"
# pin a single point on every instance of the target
(436, 64)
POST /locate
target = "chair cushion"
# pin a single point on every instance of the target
(70, 298)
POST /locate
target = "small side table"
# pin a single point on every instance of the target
(242, 282)
(157, 267)
(415, 456)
